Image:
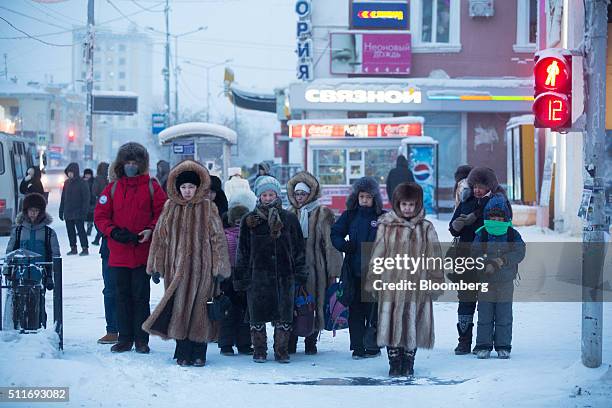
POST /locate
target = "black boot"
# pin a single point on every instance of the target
(465, 340)
(281, 342)
(293, 341)
(310, 344)
(260, 344)
(395, 361)
(408, 362)
(73, 251)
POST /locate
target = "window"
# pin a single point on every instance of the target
(97, 76)
(526, 26)
(14, 111)
(52, 114)
(1, 158)
(330, 165)
(97, 87)
(121, 61)
(378, 163)
(121, 75)
(122, 87)
(436, 25)
(83, 75)
(122, 47)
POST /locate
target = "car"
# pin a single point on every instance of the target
(53, 178)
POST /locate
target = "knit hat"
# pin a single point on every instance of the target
(34, 200)
(302, 187)
(497, 206)
(236, 213)
(187, 177)
(266, 183)
(234, 171)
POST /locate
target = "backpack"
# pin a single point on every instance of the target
(48, 255)
(336, 314)
(151, 193)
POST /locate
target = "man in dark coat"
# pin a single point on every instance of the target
(466, 220)
(99, 184)
(88, 176)
(398, 175)
(74, 206)
(270, 261)
(217, 195)
(359, 222)
(126, 213)
(163, 170)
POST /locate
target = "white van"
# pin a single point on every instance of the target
(16, 155)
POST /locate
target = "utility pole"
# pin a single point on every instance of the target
(176, 87)
(89, 51)
(167, 67)
(593, 246)
(5, 68)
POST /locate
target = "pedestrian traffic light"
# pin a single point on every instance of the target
(71, 135)
(552, 106)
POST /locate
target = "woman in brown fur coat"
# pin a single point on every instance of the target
(405, 317)
(189, 251)
(323, 261)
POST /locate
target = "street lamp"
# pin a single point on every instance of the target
(176, 65)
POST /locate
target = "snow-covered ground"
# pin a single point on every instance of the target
(544, 371)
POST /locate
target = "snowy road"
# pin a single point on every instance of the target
(545, 369)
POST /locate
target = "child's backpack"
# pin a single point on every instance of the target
(336, 314)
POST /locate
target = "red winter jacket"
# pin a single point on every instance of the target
(131, 207)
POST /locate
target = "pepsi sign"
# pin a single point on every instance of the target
(380, 15)
(422, 172)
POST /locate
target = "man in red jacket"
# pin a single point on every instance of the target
(126, 213)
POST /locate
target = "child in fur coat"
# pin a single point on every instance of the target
(405, 317)
(189, 251)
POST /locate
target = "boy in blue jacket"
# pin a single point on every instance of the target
(503, 250)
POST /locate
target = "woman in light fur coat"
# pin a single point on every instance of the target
(189, 251)
(405, 317)
(323, 261)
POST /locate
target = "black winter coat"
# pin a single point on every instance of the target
(268, 269)
(398, 175)
(470, 205)
(360, 224)
(34, 185)
(76, 196)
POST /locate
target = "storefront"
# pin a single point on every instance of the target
(467, 117)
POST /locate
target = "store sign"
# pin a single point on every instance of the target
(187, 148)
(356, 130)
(304, 41)
(359, 96)
(380, 15)
(373, 54)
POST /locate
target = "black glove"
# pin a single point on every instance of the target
(61, 217)
(49, 285)
(155, 277)
(124, 236)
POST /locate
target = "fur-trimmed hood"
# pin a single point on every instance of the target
(308, 179)
(22, 219)
(408, 192)
(130, 151)
(369, 185)
(188, 165)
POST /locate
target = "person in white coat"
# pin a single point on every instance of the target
(235, 183)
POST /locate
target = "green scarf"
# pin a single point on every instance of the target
(496, 228)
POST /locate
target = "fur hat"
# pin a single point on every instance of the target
(266, 183)
(234, 171)
(236, 213)
(368, 185)
(484, 176)
(187, 177)
(34, 200)
(128, 152)
(462, 172)
(245, 198)
(407, 192)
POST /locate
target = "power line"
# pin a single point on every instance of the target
(33, 18)
(46, 11)
(118, 10)
(32, 37)
(143, 8)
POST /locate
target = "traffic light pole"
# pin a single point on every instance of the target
(593, 247)
(89, 50)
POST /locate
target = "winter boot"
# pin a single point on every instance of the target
(142, 347)
(282, 332)
(483, 354)
(310, 344)
(260, 343)
(84, 252)
(122, 347)
(465, 340)
(504, 354)
(73, 251)
(227, 351)
(395, 361)
(293, 341)
(108, 338)
(408, 362)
